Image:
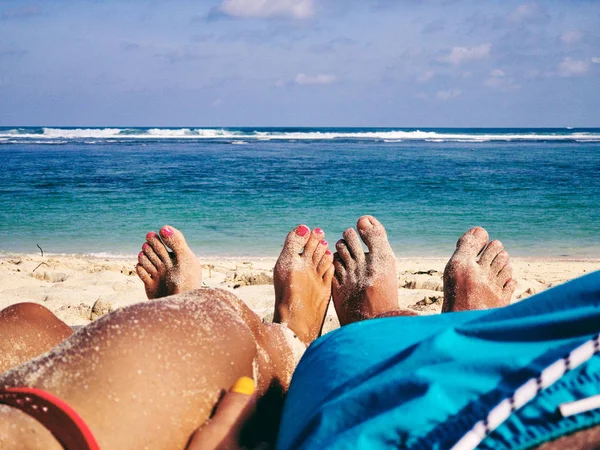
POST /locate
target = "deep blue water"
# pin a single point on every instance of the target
(238, 192)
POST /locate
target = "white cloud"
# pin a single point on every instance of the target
(499, 80)
(459, 55)
(448, 94)
(596, 60)
(303, 79)
(426, 76)
(295, 9)
(570, 37)
(572, 67)
(528, 11)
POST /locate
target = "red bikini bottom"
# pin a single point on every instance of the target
(58, 417)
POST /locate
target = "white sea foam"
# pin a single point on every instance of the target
(109, 255)
(78, 133)
(37, 141)
(132, 134)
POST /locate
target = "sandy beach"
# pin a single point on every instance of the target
(79, 289)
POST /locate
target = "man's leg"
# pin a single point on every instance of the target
(365, 285)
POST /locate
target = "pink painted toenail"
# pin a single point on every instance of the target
(328, 252)
(151, 235)
(323, 242)
(166, 232)
(318, 231)
(140, 254)
(302, 230)
(145, 246)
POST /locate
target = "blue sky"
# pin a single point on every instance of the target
(390, 63)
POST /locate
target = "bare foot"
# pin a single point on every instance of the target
(302, 278)
(365, 284)
(168, 273)
(471, 283)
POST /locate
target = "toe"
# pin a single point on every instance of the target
(328, 276)
(471, 243)
(322, 247)
(509, 288)
(153, 257)
(505, 275)
(316, 236)
(340, 269)
(373, 234)
(159, 248)
(147, 265)
(173, 238)
(144, 276)
(295, 241)
(354, 244)
(499, 262)
(336, 283)
(325, 264)
(344, 254)
(489, 254)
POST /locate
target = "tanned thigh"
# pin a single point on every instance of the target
(148, 375)
(26, 331)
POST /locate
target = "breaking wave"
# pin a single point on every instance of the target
(103, 135)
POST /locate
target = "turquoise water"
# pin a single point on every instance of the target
(238, 191)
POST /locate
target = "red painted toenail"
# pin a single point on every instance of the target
(323, 242)
(166, 232)
(328, 252)
(140, 254)
(145, 246)
(151, 235)
(302, 230)
(318, 231)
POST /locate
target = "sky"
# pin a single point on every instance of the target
(377, 63)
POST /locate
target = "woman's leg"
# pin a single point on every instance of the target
(304, 261)
(28, 330)
(148, 375)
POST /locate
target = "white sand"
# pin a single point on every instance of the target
(70, 285)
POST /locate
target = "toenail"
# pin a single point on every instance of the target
(328, 252)
(166, 232)
(145, 246)
(151, 235)
(323, 242)
(302, 230)
(140, 254)
(318, 231)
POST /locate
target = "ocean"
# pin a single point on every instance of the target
(238, 191)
